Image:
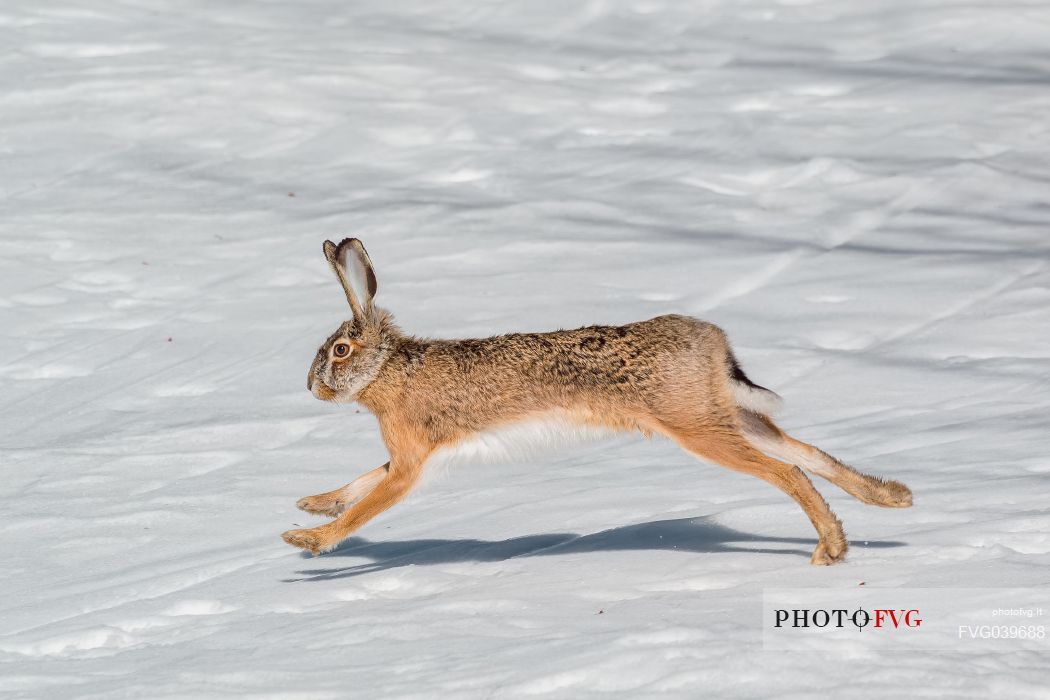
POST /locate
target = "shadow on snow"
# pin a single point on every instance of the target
(697, 535)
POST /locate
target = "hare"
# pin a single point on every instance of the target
(671, 375)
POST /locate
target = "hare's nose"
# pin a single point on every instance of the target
(310, 381)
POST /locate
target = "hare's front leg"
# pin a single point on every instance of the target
(333, 503)
(391, 489)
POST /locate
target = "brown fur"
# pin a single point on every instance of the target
(670, 375)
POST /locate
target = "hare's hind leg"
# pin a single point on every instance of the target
(727, 447)
(764, 434)
(333, 503)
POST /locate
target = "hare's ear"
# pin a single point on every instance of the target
(351, 264)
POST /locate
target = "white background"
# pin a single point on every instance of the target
(855, 191)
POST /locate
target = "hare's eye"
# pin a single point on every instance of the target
(341, 350)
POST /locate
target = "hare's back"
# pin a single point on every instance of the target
(633, 354)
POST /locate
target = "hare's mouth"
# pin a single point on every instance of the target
(323, 391)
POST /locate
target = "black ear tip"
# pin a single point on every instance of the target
(329, 248)
(348, 244)
(339, 251)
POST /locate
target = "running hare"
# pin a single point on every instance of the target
(671, 375)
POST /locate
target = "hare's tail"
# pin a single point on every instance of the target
(749, 395)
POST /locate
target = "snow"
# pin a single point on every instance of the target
(855, 191)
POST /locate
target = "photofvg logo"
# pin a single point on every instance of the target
(839, 617)
(930, 619)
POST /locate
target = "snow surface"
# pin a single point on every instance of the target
(856, 191)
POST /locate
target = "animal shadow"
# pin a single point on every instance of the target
(697, 535)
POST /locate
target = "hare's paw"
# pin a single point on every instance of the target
(829, 551)
(894, 494)
(329, 504)
(313, 540)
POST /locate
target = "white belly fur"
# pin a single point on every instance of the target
(518, 441)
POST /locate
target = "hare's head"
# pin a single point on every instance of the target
(351, 358)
